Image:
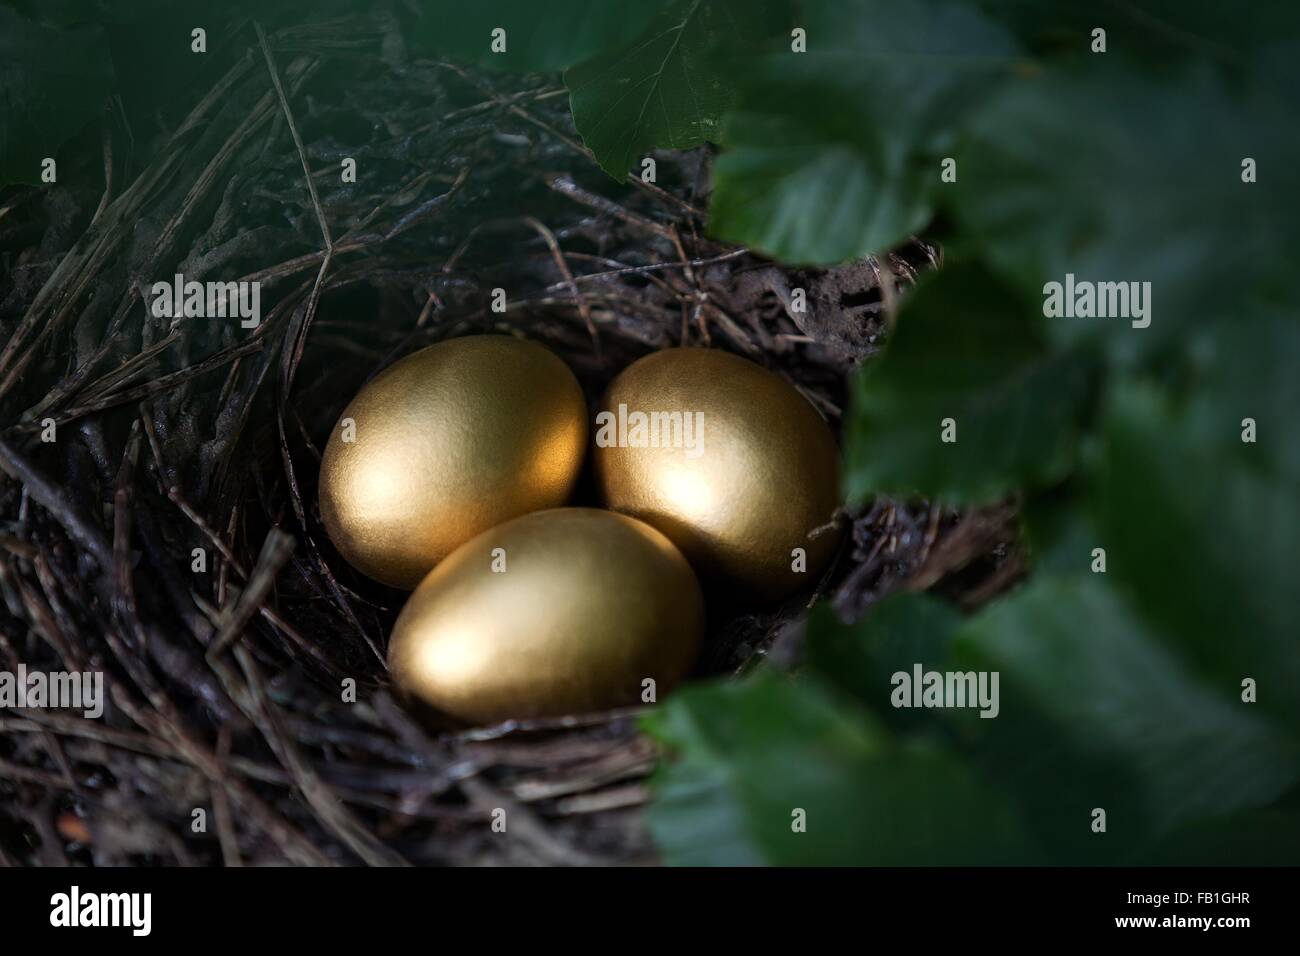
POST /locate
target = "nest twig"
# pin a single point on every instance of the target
(175, 437)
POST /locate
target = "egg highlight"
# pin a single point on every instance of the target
(444, 444)
(729, 461)
(552, 613)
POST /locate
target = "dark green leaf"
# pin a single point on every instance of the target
(669, 88)
(836, 152)
(1095, 712)
(1260, 838)
(1059, 537)
(1204, 541)
(1113, 176)
(540, 37)
(745, 756)
(52, 83)
(62, 13)
(1149, 32)
(1245, 368)
(965, 348)
(861, 659)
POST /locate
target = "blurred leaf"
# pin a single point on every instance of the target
(1059, 537)
(669, 88)
(1260, 838)
(52, 83)
(1120, 721)
(964, 348)
(540, 37)
(61, 13)
(1091, 172)
(163, 27)
(1149, 32)
(745, 755)
(861, 659)
(835, 153)
(76, 53)
(1205, 544)
(64, 13)
(1246, 368)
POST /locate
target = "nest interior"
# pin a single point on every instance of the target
(226, 685)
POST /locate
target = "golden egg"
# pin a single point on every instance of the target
(729, 461)
(445, 444)
(557, 612)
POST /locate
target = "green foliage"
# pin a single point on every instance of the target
(966, 348)
(1125, 689)
(1150, 32)
(1128, 725)
(538, 36)
(670, 87)
(1205, 544)
(62, 62)
(904, 630)
(835, 152)
(1117, 159)
(1245, 367)
(52, 82)
(751, 754)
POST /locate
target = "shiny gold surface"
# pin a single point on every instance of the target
(766, 474)
(590, 604)
(450, 441)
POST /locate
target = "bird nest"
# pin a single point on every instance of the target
(168, 536)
